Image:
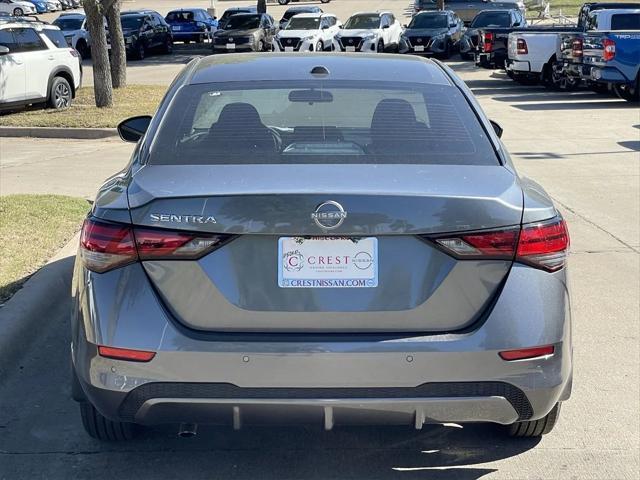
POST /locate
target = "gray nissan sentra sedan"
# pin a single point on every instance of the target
(319, 238)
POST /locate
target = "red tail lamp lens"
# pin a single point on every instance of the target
(527, 353)
(126, 354)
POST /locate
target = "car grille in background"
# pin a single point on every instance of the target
(236, 40)
(419, 41)
(290, 42)
(350, 42)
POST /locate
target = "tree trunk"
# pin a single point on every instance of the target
(118, 51)
(262, 6)
(440, 4)
(102, 85)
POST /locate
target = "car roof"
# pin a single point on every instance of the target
(285, 67)
(314, 15)
(71, 15)
(377, 12)
(246, 14)
(178, 10)
(138, 12)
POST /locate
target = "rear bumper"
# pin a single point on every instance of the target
(604, 74)
(494, 59)
(342, 379)
(517, 66)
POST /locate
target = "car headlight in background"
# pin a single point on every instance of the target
(368, 37)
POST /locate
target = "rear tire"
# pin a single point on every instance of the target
(380, 47)
(83, 49)
(18, 12)
(141, 52)
(447, 51)
(535, 428)
(630, 93)
(101, 428)
(60, 94)
(167, 48)
(319, 46)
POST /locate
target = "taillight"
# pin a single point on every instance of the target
(576, 47)
(488, 41)
(542, 245)
(527, 353)
(74, 52)
(609, 49)
(521, 46)
(105, 246)
(126, 354)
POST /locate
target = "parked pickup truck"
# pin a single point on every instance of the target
(570, 66)
(533, 52)
(611, 52)
(468, 9)
(492, 28)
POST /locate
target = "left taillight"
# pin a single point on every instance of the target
(487, 41)
(543, 245)
(74, 53)
(105, 246)
(608, 49)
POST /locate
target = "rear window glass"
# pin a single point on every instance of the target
(321, 122)
(56, 36)
(491, 19)
(627, 21)
(177, 17)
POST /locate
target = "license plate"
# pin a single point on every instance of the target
(419, 48)
(325, 262)
(350, 49)
(288, 49)
(176, 27)
(231, 46)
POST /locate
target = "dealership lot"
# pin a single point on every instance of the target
(582, 147)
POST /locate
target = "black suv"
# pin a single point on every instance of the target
(145, 30)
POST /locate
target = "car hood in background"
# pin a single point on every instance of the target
(424, 32)
(236, 33)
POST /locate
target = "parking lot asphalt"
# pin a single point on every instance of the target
(582, 147)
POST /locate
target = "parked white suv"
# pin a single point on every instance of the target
(307, 32)
(74, 27)
(36, 65)
(17, 7)
(369, 32)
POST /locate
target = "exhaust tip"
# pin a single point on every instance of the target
(188, 430)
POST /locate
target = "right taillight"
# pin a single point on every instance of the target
(105, 246)
(487, 41)
(542, 245)
(521, 46)
(608, 49)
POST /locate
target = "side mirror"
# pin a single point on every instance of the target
(516, 24)
(453, 25)
(133, 129)
(385, 26)
(4, 50)
(324, 27)
(496, 128)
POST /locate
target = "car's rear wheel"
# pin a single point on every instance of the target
(283, 2)
(628, 92)
(380, 47)
(100, 427)
(141, 52)
(319, 46)
(167, 48)
(447, 50)
(261, 46)
(83, 49)
(535, 428)
(60, 94)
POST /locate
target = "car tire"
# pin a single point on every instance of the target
(83, 49)
(141, 52)
(535, 428)
(167, 48)
(18, 12)
(101, 428)
(60, 94)
(319, 46)
(260, 46)
(380, 47)
(599, 88)
(630, 93)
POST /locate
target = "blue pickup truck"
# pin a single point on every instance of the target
(611, 51)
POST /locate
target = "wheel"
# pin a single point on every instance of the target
(555, 80)
(141, 52)
(319, 46)
(100, 427)
(60, 94)
(630, 93)
(199, 39)
(260, 46)
(283, 2)
(83, 49)
(325, 1)
(168, 46)
(447, 51)
(18, 12)
(535, 428)
(510, 74)
(466, 56)
(380, 47)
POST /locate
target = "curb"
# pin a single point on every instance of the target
(59, 132)
(33, 304)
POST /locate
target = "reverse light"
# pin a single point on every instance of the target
(105, 246)
(527, 353)
(521, 46)
(609, 49)
(126, 354)
(543, 245)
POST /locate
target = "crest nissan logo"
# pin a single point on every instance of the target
(329, 215)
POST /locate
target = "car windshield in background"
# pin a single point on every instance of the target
(304, 23)
(314, 121)
(290, 13)
(364, 22)
(429, 21)
(491, 19)
(130, 22)
(180, 17)
(229, 13)
(243, 22)
(68, 24)
(626, 21)
(56, 36)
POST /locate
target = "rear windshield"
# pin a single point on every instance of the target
(626, 21)
(429, 21)
(56, 36)
(316, 121)
(179, 17)
(491, 19)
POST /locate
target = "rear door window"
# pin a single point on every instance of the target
(7, 40)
